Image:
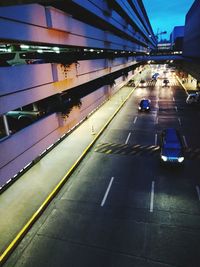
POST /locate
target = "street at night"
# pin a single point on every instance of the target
(121, 207)
(99, 133)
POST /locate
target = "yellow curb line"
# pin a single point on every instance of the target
(4, 256)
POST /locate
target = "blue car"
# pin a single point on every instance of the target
(155, 76)
(172, 148)
(144, 105)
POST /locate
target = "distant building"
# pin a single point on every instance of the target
(191, 43)
(192, 37)
(164, 45)
(176, 38)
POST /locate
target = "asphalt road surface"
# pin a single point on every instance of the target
(121, 208)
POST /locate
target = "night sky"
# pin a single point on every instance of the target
(164, 15)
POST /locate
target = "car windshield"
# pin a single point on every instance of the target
(174, 145)
(144, 102)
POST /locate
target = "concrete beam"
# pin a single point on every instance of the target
(24, 2)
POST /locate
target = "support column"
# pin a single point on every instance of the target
(6, 126)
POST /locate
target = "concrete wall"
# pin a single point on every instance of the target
(56, 27)
(25, 84)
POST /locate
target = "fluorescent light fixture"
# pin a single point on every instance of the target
(24, 46)
(55, 48)
(49, 147)
(27, 165)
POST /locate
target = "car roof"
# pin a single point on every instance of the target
(194, 94)
(144, 100)
(171, 135)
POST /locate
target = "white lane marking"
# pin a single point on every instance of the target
(179, 121)
(157, 106)
(135, 120)
(173, 99)
(156, 139)
(176, 108)
(127, 139)
(107, 191)
(156, 120)
(198, 191)
(185, 142)
(152, 196)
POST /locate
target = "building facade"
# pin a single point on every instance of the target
(51, 56)
(176, 38)
(191, 44)
(192, 34)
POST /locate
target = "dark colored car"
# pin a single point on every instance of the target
(172, 148)
(144, 105)
(142, 83)
(155, 76)
(165, 83)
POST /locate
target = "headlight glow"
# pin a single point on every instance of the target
(164, 158)
(181, 159)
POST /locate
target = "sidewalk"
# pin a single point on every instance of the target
(23, 202)
(187, 84)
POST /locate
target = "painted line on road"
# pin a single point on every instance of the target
(173, 99)
(156, 120)
(152, 196)
(176, 108)
(107, 191)
(135, 120)
(198, 191)
(185, 142)
(179, 121)
(127, 139)
(156, 139)
(157, 106)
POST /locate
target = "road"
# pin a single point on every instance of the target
(120, 207)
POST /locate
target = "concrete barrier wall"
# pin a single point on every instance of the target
(36, 138)
(18, 78)
(56, 27)
(25, 84)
